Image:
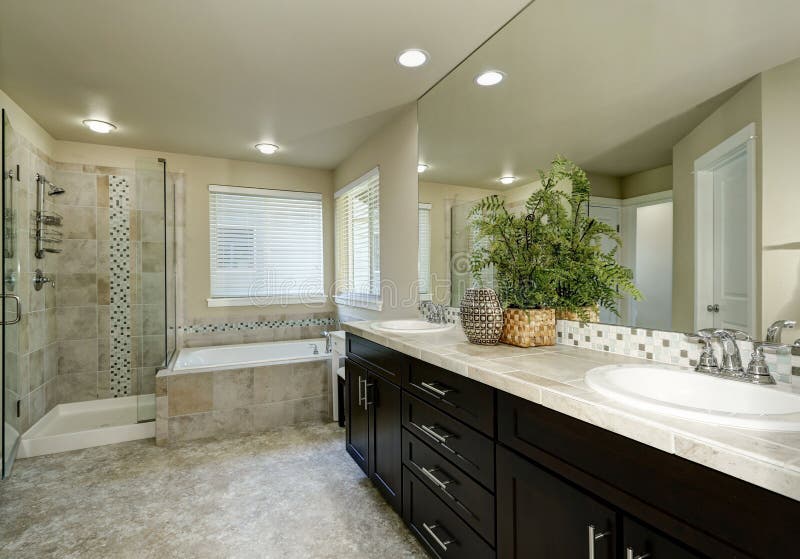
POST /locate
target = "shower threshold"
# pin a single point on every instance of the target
(86, 424)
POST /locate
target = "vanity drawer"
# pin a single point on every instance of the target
(466, 399)
(390, 364)
(470, 501)
(444, 533)
(455, 441)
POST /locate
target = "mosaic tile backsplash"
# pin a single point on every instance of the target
(256, 325)
(673, 348)
(120, 284)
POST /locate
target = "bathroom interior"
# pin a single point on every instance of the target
(269, 293)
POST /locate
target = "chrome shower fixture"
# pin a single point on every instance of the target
(54, 190)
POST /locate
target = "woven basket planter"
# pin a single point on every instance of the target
(591, 312)
(529, 327)
(481, 316)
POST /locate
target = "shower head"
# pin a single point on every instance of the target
(55, 190)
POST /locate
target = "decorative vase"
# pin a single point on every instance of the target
(591, 312)
(481, 316)
(529, 327)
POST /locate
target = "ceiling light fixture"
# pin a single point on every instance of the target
(489, 78)
(421, 168)
(507, 180)
(412, 58)
(99, 126)
(267, 149)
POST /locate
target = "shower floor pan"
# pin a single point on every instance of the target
(86, 424)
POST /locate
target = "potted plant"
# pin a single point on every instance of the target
(548, 258)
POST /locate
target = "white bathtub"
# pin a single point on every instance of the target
(249, 355)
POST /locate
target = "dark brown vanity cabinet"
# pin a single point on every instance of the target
(373, 412)
(541, 515)
(642, 542)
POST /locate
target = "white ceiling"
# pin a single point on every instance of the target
(612, 85)
(214, 77)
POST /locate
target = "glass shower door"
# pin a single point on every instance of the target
(11, 305)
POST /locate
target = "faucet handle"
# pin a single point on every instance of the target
(707, 362)
(758, 370)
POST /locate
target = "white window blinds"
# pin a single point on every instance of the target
(424, 264)
(358, 263)
(265, 244)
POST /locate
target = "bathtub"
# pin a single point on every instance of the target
(249, 355)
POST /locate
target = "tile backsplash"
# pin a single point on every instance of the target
(674, 348)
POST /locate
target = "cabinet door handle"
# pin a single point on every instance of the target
(594, 535)
(17, 311)
(367, 403)
(430, 530)
(630, 554)
(360, 397)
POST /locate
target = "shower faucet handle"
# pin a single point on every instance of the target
(39, 280)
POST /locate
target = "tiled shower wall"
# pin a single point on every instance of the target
(31, 345)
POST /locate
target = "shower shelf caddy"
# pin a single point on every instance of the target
(46, 222)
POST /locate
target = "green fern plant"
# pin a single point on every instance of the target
(551, 256)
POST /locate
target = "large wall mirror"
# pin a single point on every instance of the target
(687, 124)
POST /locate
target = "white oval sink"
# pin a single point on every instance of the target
(698, 397)
(411, 326)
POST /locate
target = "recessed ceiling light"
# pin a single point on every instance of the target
(267, 149)
(490, 77)
(507, 180)
(99, 126)
(421, 168)
(412, 58)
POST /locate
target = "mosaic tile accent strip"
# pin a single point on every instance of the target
(257, 325)
(120, 285)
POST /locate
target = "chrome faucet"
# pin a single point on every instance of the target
(731, 357)
(316, 349)
(776, 329)
(328, 341)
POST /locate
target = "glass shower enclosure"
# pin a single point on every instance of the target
(153, 289)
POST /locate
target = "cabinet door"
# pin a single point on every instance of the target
(540, 515)
(641, 541)
(357, 415)
(385, 445)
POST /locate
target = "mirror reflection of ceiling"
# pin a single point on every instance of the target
(606, 84)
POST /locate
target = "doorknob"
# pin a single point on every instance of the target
(712, 308)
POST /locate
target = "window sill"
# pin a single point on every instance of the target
(263, 301)
(360, 301)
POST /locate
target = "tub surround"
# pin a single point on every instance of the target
(554, 378)
(243, 398)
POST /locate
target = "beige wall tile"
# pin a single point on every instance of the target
(80, 189)
(102, 224)
(36, 373)
(79, 222)
(76, 290)
(78, 387)
(233, 422)
(152, 257)
(78, 256)
(103, 289)
(190, 427)
(75, 323)
(103, 354)
(233, 389)
(77, 356)
(102, 191)
(190, 393)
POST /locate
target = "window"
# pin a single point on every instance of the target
(266, 246)
(358, 263)
(424, 264)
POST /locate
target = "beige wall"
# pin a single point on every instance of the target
(442, 197)
(604, 186)
(394, 150)
(647, 182)
(739, 111)
(25, 126)
(199, 172)
(780, 234)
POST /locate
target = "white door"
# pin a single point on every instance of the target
(609, 216)
(725, 225)
(731, 267)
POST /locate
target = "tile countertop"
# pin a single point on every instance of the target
(554, 377)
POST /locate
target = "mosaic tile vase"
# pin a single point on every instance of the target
(481, 316)
(529, 327)
(590, 312)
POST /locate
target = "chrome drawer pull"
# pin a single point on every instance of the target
(360, 398)
(436, 481)
(430, 530)
(629, 554)
(441, 439)
(433, 388)
(594, 536)
(367, 403)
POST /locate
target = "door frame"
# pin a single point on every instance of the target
(742, 141)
